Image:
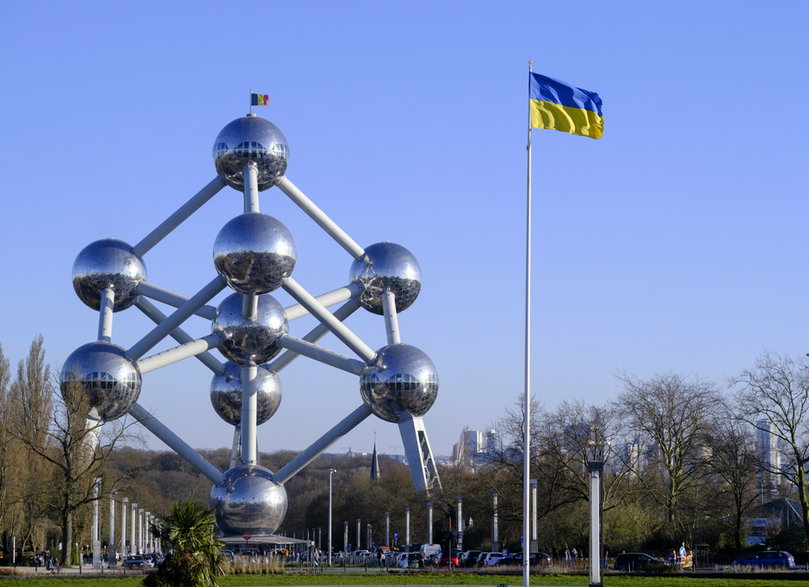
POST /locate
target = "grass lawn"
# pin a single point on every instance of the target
(414, 579)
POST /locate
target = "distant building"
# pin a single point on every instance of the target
(769, 455)
(474, 447)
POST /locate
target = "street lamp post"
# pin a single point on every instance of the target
(595, 464)
(96, 537)
(331, 472)
(459, 504)
(495, 523)
(407, 528)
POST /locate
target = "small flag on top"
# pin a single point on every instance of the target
(560, 106)
(259, 99)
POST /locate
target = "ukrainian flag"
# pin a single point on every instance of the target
(560, 106)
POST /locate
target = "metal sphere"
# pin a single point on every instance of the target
(108, 263)
(246, 139)
(402, 377)
(105, 375)
(250, 340)
(248, 501)
(254, 252)
(387, 266)
(226, 393)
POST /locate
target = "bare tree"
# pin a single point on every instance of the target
(6, 450)
(774, 397)
(672, 416)
(733, 460)
(57, 430)
(30, 408)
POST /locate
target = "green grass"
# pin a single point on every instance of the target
(373, 578)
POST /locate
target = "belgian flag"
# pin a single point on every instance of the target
(259, 99)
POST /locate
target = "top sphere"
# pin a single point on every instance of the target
(246, 139)
(391, 267)
(108, 263)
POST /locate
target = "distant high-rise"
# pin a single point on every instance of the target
(473, 447)
(770, 457)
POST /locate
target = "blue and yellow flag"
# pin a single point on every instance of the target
(560, 106)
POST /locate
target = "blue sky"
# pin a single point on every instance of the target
(673, 244)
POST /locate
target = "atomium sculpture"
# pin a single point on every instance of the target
(254, 255)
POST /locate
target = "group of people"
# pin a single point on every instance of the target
(47, 560)
(571, 556)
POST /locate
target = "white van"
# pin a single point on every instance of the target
(431, 553)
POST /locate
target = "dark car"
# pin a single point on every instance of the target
(767, 559)
(634, 561)
(469, 558)
(542, 559)
(135, 561)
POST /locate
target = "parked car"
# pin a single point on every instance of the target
(492, 558)
(410, 560)
(635, 561)
(469, 558)
(535, 558)
(445, 562)
(135, 561)
(767, 559)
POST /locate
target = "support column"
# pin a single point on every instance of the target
(407, 528)
(429, 522)
(124, 507)
(495, 523)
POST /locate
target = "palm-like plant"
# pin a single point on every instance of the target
(196, 555)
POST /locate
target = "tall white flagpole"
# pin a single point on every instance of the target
(526, 542)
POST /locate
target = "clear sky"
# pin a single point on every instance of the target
(674, 244)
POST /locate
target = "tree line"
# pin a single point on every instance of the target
(680, 464)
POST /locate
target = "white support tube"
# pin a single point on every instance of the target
(186, 210)
(343, 427)
(296, 195)
(175, 443)
(249, 307)
(249, 414)
(315, 334)
(391, 317)
(178, 353)
(105, 314)
(307, 349)
(179, 335)
(339, 329)
(336, 296)
(250, 175)
(178, 317)
(169, 298)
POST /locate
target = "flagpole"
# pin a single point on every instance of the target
(250, 100)
(526, 542)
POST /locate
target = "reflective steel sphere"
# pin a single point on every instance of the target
(254, 252)
(100, 370)
(401, 378)
(387, 266)
(249, 500)
(247, 340)
(251, 138)
(108, 263)
(226, 393)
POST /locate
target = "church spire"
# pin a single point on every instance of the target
(374, 463)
